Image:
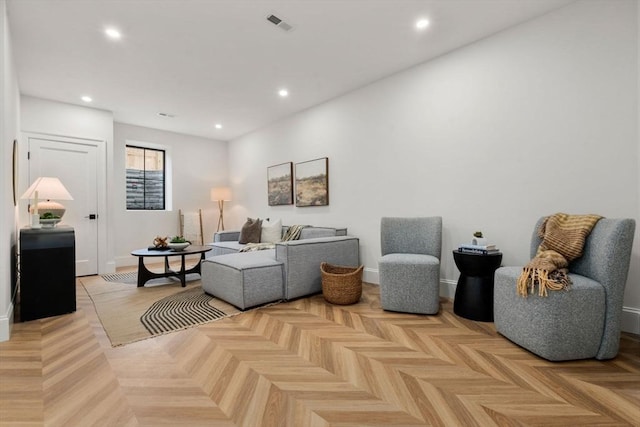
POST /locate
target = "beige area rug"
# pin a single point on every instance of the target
(129, 313)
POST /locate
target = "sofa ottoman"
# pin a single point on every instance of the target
(244, 279)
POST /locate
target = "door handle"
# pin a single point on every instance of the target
(92, 216)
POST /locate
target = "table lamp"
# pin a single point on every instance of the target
(221, 195)
(48, 189)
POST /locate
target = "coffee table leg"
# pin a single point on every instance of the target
(183, 273)
(196, 268)
(143, 273)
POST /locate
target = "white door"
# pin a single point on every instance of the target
(75, 164)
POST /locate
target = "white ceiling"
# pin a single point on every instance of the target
(221, 61)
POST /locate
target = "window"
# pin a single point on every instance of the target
(145, 178)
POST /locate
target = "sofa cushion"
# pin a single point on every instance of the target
(271, 231)
(222, 248)
(315, 232)
(244, 280)
(226, 242)
(250, 232)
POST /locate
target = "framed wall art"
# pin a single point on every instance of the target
(312, 182)
(280, 184)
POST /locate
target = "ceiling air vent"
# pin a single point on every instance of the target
(279, 23)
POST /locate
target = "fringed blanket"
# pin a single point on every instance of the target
(293, 233)
(563, 238)
(252, 247)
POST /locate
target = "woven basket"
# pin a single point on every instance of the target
(341, 285)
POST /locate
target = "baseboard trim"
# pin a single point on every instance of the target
(6, 323)
(125, 261)
(448, 288)
(630, 321)
(110, 268)
(370, 275)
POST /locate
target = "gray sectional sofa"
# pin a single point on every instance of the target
(291, 270)
(226, 242)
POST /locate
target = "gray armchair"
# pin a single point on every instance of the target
(583, 322)
(410, 264)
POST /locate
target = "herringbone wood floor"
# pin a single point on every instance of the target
(306, 363)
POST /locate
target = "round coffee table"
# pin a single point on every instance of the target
(474, 293)
(145, 275)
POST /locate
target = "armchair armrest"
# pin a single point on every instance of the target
(226, 236)
(302, 259)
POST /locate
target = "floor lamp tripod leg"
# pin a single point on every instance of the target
(221, 217)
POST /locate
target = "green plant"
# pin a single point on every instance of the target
(178, 239)
(49, 215)
(478, 234)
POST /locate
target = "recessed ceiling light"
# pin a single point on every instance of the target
(112, 33)
(86, 98)
(166, 115)
(218, 126)
(283, 93)
(421, 24)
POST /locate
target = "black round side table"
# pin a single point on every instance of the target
(474, 293)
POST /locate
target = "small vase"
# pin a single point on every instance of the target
(35, 220)
(479, 241)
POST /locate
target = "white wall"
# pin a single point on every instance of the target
(538, 119)
(9, 125)
(198, 164)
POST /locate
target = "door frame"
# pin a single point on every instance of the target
(101, 181)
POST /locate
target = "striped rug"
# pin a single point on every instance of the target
(180, 311)
(129, 313)
(131, 277)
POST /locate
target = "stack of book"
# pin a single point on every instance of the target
(478, 249)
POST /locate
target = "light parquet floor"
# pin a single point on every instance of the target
(306, 363)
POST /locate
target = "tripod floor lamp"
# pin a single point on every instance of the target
(221, 195)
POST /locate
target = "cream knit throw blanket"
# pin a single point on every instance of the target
(293, 233)
(563, 238)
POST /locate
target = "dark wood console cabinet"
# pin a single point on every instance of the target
(47, 272)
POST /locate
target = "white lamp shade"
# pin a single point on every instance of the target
(48, 188)
(221, 193)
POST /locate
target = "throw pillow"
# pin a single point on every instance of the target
(271, 231)
(250, 232)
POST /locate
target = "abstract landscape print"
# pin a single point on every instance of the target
(280, 184)
(312, 182)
